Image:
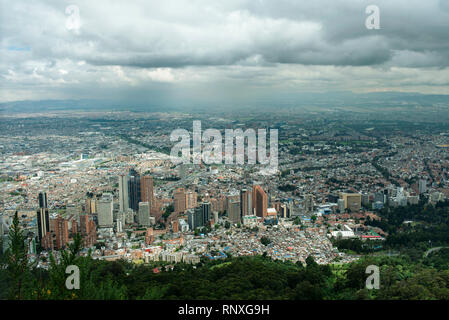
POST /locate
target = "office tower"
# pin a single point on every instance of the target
(308, 203)
(353, 201)
(199, 221)
(234, 211)
(191, 199)
(180, 200)
(43, 200)
(422, 186)
(341, 205)
(206, 212)
(146, 189)
(246, 203)
(195, 218)
(260, 201)
(105, 211)
(91, 206)
(43, 217)
(134, 189)
(144, 214)
(123, 192)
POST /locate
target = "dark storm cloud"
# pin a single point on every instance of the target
(297, 42)
(141, 34)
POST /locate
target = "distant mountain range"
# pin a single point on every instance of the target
(288, 100)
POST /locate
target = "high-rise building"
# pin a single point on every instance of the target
(191, 199)
(43, 217)
(61, 231)
(260, 201)
(144, 214)
(146, 189)
(379, 197)
(365, 199)
(422, 186)
(246, 203)
(206, 212)
(43, 200)
(180, 200)
(91, 205)
(234, 211)
(308, 203)
(134, 189)
(123, 192)
(199, 221)
(105, 211)
(282, 209)
(353, 201)
(195, 218)
(341, 205)
(84, 224)
(88, 230)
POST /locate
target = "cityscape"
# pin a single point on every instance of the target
(326, 185)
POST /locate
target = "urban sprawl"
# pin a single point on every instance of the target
(109, 177)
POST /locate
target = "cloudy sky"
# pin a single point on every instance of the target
(219, 49)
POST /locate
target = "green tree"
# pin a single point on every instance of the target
(17, 263)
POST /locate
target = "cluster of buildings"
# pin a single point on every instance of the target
(105, 181)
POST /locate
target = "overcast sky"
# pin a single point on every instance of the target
(219, 49)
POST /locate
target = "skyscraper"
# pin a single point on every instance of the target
(61, 231)
(234, 211)
(191, 199)
(105, 211)
(199, 221)
(206, 212)
(180, 200)
(246, 203)
(43, 200)
(144, 214)
(195, 218)
(260, 201)
(123, 192)
(134, 189)
(43, 218)
(146, 189)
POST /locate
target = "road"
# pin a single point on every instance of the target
(432, 250)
